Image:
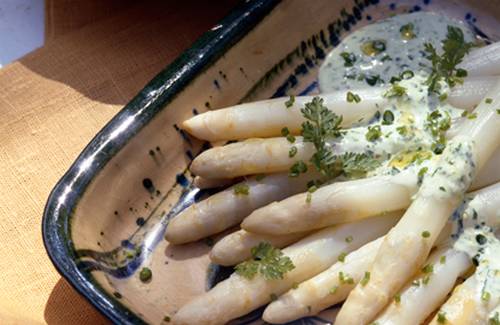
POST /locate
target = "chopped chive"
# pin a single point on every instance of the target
(407, 74)
(308, 198)
(333, 290)
(349, 59)
(145, 275)
(429, 268)
(486, 296)
(292, 152)
(443, 97)
(241, 189)
(273, 297)
(352, 97)
(373, 133)
(442, 259)
(342, 256)
(295, 285)
(365, 279)
(290, 138)
(488, 100)
(426, 279)
(426, 234)
(285, 131)
(349, 239)
(397, 298)
(441, 319)
(387, 118)
(298, 168)
(289, 103)
(407, 32)
(167, 319)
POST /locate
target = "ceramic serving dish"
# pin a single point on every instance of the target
(105, 220)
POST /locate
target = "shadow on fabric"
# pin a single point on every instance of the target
(109, 61)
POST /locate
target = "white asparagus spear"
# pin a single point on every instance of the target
(419, 298)
(237, 295)
(252, 156)
(325, 289)
(227, 208)
(346, 201)
(204, 183)
(333, 204)
(472, 91)
(483, 61)
(408, 243)
(267, 118)
(235, 247)
(316, 294)
(465, 306)
(329, 287)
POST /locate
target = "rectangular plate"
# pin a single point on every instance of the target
(106, 217)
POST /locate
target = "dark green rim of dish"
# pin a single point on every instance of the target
(151, 100)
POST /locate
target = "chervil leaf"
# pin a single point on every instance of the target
(267, 261)
(444, 66)
(321, 124)
(356, 165)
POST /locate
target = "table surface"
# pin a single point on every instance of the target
(98, 55)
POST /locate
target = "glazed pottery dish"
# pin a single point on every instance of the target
(304, 162)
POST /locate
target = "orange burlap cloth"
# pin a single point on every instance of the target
(98, 54)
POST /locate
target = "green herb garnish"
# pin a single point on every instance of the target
(146, 274)
(298, 168)
(292, 152)
(402, 130)
(352, 97)
(321, 124)
(372, 48)
(356, 165)
(366, 278)
(495, 320)
(442, 259)
(488, 100)
(241, 189)
(397, 298)
(285, 131)
(289, 103)
(426, 234)
(441, 319)
(485, 296)
(342, 257)
(333, 290)
(349, 59)
(395, 91)
(444, 66)
(373, 133)
(387, 118)
(267, 261)
(429, 268)
(349, 239)
(407, 32)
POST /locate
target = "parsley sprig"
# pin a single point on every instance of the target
(268, 261)
(444, 66)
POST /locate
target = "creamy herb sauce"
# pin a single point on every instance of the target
(379, 51)
(408, 142)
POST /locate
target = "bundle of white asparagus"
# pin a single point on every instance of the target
(389, 244)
